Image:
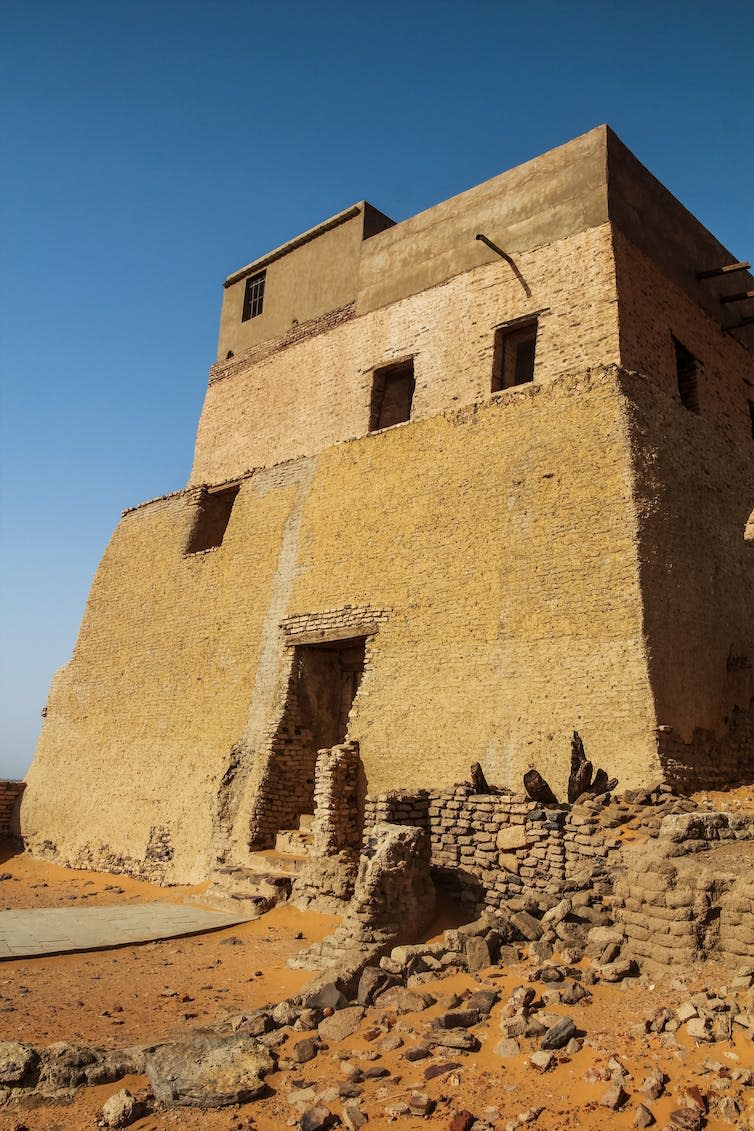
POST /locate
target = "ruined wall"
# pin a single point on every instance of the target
(10, 795)
(273, 405)
(490, 553)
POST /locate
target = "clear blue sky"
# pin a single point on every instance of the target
(152, 147)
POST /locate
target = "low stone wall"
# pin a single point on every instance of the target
(489, 847)
(10, 795)
(689, 895)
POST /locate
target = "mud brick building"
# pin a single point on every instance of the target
(461, 484)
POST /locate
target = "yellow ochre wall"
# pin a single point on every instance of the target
(500, 542)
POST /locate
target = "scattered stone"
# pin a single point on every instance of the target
(698, 1028)
(421, 1104)
(419, 1052)
(614, 1098)
(317, 1118)
(654, 1085)
(16, 1062)
(478, 955)
(527, 925)
(686, 1119)
(121, 1109)
(643, 1116)
(434, 1070)
(460, 1019)
(342, 1024)
(305, 1050)
(207, 1070)
(399, 1000)
(328, 996)
(559, 1034)
(353, 1117)
(543, 1061)
(461, 1121)
(456, 1039)
(507, 1047)
(482, 1001)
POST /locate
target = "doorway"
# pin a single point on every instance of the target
(323, 683)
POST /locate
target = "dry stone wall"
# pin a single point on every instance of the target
(487, 848)
(10, 796)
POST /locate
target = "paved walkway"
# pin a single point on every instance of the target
(55, 930)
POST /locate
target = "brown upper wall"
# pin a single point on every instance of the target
(658, 224)
(559, 194)
(311, 275)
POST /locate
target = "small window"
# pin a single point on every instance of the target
(392, 393)
(513, 355)
(253, 299)
(687, 370)
(212, 518)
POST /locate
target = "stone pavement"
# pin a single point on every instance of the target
(54, 930)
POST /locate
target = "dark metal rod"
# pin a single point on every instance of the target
(504, 255)
(731, 267)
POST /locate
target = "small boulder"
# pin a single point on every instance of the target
(342, 1024)
(121, 1109)
(16, 1062)
(317, 1118)
(559, 1034)
(207, 1070)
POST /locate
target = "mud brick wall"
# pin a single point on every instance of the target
(487, 847)
(10, 794)
(689, 894)
(308, 390)
(336, 824)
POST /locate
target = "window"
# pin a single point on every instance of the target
(392, 392)
(212, 518)
(253, 298)
(513, 355)
(686, 367)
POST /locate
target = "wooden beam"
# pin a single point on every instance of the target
(739, 326)
(728, 270)
(740, 296)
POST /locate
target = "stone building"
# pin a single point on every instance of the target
(461, 484)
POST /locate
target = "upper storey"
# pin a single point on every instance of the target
(360, 324)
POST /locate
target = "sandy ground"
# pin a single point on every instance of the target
(146, 993)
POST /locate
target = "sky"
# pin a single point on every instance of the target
(150, 148)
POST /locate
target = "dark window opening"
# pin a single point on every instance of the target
(212, 518)
(513, 355)
(687, 371)
(253, 298)
(751, 417)
(392, 394)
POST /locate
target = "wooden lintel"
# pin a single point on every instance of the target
(739, 325)
(727, 270)
(740, 296)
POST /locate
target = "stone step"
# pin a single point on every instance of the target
(249, 890)
(293, 842)
(268, 863)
